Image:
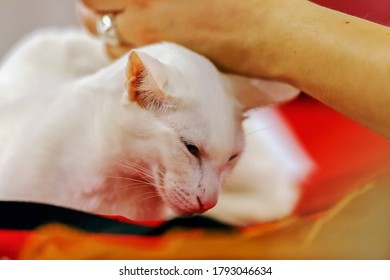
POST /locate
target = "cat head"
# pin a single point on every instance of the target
(199, 112)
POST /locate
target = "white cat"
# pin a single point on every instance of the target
(149, 136)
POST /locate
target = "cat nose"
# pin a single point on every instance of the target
(206, 203)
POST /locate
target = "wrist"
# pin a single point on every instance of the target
(284, 37)
(267, 34)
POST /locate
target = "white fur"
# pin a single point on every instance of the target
(69, 136)
(264, 186)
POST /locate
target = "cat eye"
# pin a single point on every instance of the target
(233, 157)
(194, 150)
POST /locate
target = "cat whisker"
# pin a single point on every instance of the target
(137, 182)
(146, 176)
(147, 196)
(139, 155)
(258, 130)
(141, 184)
(126, 162)
(161, 204)
(130, 179)
(139, 167)
(143, 173)
(144, 159)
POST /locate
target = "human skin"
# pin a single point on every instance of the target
(336, 58)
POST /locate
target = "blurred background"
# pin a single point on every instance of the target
(19, 17)
(358, 227)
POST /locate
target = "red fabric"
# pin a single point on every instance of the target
(345, 153)
(11, 242)
(373, 10)
(142, 223)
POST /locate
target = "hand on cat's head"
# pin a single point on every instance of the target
(250, 93)
(190, 23)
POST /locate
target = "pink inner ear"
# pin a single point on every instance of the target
(135, 74)
(143, 89)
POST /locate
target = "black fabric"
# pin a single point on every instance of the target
(29, 216)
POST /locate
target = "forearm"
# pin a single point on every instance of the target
(339, 59)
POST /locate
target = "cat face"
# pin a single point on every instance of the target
(206, 148)
(201, 139)
(199, 118)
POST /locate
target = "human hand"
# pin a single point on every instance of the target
(217, 29)
(91, 11)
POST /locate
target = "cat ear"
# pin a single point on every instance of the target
(252, 93)
(146, 77)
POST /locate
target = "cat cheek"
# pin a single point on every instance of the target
(226, 173)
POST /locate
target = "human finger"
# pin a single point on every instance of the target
(104, 6)
(90, 18)
(87, 17)
(117, 51)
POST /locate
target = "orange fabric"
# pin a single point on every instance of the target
(324, 235)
